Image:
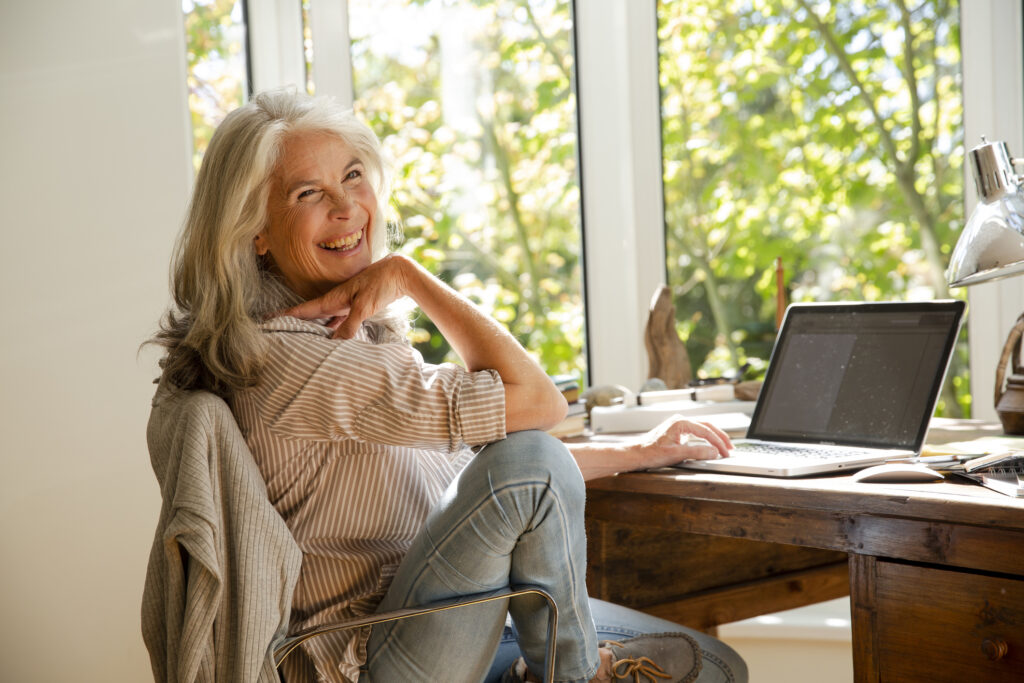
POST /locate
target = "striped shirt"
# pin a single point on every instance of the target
(357, 440)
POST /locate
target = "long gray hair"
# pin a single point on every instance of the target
(221, 287)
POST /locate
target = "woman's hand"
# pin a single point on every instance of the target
(348, 304)
(677, 439)
(671, 442)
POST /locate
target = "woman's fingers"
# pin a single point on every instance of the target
(697, 448)
(715, 437)
(333, 304)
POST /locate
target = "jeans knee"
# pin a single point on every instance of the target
(537, 454)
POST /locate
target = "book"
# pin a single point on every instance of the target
(1002, 471)
(568, 385)
(1000, 460)
(1009, 484)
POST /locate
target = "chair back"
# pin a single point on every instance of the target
(223, 564)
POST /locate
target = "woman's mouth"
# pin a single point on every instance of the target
(343, 243)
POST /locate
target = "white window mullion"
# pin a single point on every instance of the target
(275, 44)
(992, 34)
(620, 150)
(332, 58)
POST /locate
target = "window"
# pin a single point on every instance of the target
(620, 151)
(215, 34)
(475, 105)
(827, 134)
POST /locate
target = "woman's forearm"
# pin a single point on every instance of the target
(603, 460)
(531, 399)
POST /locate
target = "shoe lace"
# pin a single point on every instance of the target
(635, 667)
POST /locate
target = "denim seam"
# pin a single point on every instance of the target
(436, 546)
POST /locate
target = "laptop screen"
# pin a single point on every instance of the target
(864, 374)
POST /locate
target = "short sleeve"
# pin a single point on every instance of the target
(316, 388)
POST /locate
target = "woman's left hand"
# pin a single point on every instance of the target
(677, 439)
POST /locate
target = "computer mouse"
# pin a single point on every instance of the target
(897, 473)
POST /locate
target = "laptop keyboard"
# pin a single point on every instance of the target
(799, 451)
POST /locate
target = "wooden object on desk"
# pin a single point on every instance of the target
(666, 354)
(936, 574)
(1009, 396)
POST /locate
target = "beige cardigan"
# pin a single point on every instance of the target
(223, 565)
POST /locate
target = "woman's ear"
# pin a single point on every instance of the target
(260, 242)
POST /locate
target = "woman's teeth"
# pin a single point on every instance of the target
(344, 243)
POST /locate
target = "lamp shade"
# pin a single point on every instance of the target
(991, 245)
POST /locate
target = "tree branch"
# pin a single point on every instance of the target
(505, 172)
(548, 45)
(844, 63)
(911, 77)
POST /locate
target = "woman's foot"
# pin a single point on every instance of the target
(650, 658)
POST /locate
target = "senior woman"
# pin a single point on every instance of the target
(402, 482)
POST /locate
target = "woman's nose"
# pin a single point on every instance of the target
(340, 198)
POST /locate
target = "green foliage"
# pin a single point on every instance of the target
(475, 106)
(216, 65)
(825, 133)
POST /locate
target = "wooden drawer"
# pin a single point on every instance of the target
(943, 625)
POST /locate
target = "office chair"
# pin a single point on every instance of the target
(223, 565)
(289, 644)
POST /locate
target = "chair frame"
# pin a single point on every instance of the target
(288, 645)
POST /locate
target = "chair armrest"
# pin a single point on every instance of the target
(289, 644)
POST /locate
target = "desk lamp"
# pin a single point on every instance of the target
(991, 247)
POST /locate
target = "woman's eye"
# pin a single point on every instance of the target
(307, 194)
(356, 173)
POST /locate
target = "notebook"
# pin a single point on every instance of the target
(848, 385)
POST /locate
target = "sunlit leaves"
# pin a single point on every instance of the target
(215, 51)
(827, 133)
(475, 107)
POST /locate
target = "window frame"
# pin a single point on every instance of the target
(620, 155)
(992, 46)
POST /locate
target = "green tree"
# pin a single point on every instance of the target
(478, 114)
(215, 51)
(826, 133)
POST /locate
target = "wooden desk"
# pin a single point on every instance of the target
(935, 571)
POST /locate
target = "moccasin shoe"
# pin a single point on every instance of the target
(650, 658)
(655, 658)
(515, 673)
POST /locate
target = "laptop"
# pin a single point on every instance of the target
(849, 385)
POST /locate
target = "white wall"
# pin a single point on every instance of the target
(94, 174)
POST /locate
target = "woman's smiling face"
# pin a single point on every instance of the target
(321, 213)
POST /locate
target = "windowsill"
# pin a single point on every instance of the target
(824, 621)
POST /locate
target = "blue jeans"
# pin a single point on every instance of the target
(514, 515)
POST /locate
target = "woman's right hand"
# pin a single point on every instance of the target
(677, 439)
(360, 297)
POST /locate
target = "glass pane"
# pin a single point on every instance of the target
(476, 107)
(826, 134)
(217, 66)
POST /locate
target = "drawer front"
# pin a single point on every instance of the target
(943, 625)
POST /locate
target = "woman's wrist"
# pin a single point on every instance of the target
(412, 277)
